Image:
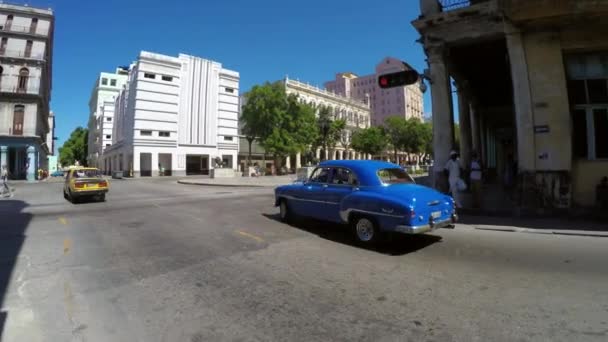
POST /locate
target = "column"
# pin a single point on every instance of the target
(334, 154)
(465, 126)
(298, 160)
(340, 154)
(318, 154)
(443, 130)
(288, 162)
(4, 157)
(475, 132)
(523, 102)
(32, 159)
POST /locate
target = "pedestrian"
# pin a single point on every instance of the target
(476, 179)
(6, 190)
(453, 170)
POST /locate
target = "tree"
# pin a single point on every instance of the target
(330, 130)
(278, 121)
(370, 140)
(397, 132)
(75, 148)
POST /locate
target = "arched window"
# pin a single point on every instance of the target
(24, 74)
(18, 118)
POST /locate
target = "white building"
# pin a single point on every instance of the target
(101, 112)
(175, 114)
(26, 46)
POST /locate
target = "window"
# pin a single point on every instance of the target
(320, 175)
(113, 82)
(342, 176)
(33, 25)
(24, 74)
(600, 130)
(164, 134)
(229, 90)
(228, 138)
(18, 118)
(167, 78)
(108, 119)
(598, 91)
(394, 176)
(9, 22)
(108, 136)
(148, 75)
(3, 43)
(145, 133)
(1, 71)
(108, 145)
(28, 48)
(104, 81)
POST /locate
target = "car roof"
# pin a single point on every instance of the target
(364, 169)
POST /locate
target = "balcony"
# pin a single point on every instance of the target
(21, 54)
(18, 91)
(30, 30)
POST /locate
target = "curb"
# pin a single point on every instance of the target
(225, 185)
(587, 233)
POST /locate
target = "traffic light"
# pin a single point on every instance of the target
(398, 79)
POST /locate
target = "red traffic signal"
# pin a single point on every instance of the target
(398, 79)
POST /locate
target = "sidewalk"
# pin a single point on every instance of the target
(253, 182)
(555, 226)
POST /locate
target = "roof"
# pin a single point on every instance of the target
(365, 169)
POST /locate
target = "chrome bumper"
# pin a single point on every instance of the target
(427, 227)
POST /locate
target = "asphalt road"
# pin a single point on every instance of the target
(165, 262)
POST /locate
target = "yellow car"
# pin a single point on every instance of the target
(85, 182)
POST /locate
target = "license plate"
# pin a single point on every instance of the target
(436, 214)
(91, 186)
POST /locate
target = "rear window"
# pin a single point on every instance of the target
(86, 174)
(394, 176)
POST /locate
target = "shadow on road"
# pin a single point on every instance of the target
(534, 223)
(394, 244)
(13, 223)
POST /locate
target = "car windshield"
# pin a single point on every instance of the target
(394, 176)
(86, 174)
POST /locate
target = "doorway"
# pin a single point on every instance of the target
(164, 164)
(197, 164)
(145, 164)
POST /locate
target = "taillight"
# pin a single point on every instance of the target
(79, 185)
(103, 183)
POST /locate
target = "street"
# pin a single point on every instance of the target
(159, 261)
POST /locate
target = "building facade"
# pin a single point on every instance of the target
(26, 50)
(175, 115)
(532, 79)
(101, 112)
(404, 101)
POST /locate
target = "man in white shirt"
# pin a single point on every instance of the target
(6, 190)
(476, 179)
(452, 168)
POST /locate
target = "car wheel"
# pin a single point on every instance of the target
(65, 195)
(102, 198)
(284, 211)
(366, 230)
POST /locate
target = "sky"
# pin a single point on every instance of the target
(263, 40)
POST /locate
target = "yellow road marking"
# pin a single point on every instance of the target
(63, 221)
(67, 245)
(251, 236)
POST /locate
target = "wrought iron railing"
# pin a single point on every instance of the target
(21, 54)
(33, 29)
(449, 5)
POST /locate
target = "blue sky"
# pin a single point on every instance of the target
(263, 40)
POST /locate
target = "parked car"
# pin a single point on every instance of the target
(372, 196)
(57, 173)
(85, 182)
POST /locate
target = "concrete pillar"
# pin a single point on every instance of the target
(443, 130)
(298, 160)
(523, 102)
(288, 162)
(4, 157)
(333, 154)
(318, 154)
(464, 106)
(32, 159)
(429, 7)
(475, 131)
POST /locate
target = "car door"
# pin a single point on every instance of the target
(310, 199)
(342, 183)
(66, 183)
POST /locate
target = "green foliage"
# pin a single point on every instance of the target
(397, 133)
(370, 140)
(75, 148)
(329, 130)
(281, 124)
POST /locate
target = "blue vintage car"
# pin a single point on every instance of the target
(372, 196)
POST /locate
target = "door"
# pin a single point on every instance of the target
(18, 116)
(597, 122)
(310, 201)
(342, 183)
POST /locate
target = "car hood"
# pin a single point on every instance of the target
(412, 193)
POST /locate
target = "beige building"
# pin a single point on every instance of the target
(532, 79)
